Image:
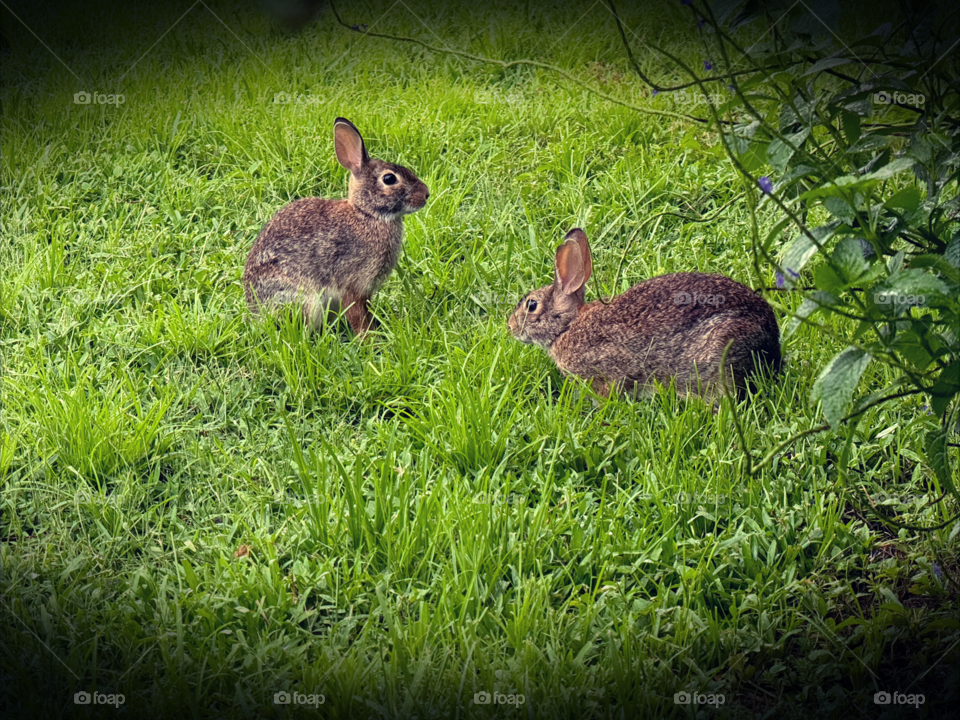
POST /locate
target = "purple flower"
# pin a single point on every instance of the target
(782, 280)
(937, 571)
(731, 88)
(707, 65)
(656, 92)
(766, 184)
(700, 23)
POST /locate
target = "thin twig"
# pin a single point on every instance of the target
(648, 81)
(506, 64)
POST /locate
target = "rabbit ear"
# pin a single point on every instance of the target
(570, 271)
(581, 237)
(351, 152)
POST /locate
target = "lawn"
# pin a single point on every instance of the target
(200, 512)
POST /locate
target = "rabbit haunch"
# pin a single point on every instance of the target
(330, 254)
(669, 328)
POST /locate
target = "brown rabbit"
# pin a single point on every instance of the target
(673, 327)
(330, 254)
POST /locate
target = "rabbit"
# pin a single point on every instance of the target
(668, 328)
(326, 255)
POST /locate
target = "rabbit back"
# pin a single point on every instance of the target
(673, 327)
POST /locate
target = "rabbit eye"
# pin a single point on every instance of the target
(531, 305)
(389, 179)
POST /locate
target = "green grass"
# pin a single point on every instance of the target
(199, 512)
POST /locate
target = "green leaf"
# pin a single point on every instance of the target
(892, 168)
(907, 199)
(937, 450)
(840, 187)
(910, 346)
(851, 126)
(802, 249)
(690, 142)
(891, 597)
(862, 327)
(827, 63)
(938, 263)
(840, 209)
(780, 151)
(952, 253)
(868, 144)
(946, 389)
(905, 289)
(795, 172)
(914, 281)
(895, 264)
(848, 259)
(724, 8)
(190, 575)
(834, 388)
(755, 157)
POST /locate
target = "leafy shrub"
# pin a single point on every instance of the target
(852, 143)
